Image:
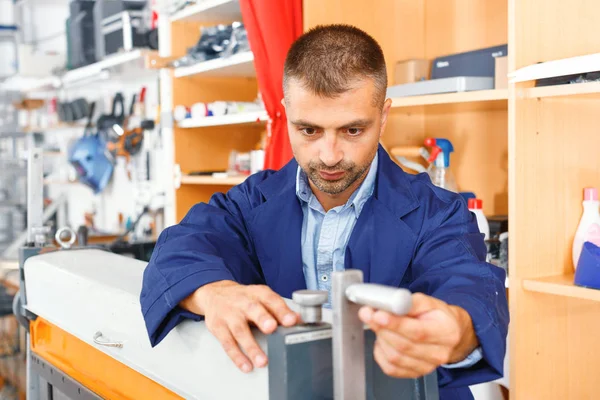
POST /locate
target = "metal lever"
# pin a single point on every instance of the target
(97, 340)
(348, 293)
(387, 298)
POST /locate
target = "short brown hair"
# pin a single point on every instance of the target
(327, 58)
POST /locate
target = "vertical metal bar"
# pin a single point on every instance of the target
(35, 191)
(349, 380)
(32, 377)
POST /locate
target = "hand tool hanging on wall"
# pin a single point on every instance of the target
(107, 121)
(128, 140)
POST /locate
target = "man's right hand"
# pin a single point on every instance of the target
(229, 307)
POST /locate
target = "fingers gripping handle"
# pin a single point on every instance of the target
(387, 298)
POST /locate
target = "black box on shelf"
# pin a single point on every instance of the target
(480, 62)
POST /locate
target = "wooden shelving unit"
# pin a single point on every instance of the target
(490, 97)
(209, 180)
(553, 136)
(206, 144)
(235, 119)
(561, 285)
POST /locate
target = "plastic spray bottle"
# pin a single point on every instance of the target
(588, 229)
(476, 207)
(439, 168)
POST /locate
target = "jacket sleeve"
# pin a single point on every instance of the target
(210, 244)
(449, 264)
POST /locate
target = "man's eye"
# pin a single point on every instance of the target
(354, 131)
(308, 131)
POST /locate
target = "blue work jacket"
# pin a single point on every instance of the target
(410, 234)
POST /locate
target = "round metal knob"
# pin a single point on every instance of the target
(310, 302)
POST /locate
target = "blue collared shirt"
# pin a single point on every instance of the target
(325, 236)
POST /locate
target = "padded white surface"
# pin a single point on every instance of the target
(85, 291)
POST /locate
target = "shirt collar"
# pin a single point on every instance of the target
(358, 198)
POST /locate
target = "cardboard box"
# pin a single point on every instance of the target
(409, 71)
(501, 72)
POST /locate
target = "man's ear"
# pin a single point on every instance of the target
(283, 102)
(384, 115)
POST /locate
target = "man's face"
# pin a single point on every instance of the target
(334, 140)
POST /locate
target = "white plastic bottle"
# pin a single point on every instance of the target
(588, 229)
(476, 207)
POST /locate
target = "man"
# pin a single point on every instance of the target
(341, 203)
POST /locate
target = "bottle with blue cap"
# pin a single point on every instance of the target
(439, 167)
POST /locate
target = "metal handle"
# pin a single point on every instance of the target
(381, 297)
(97, 340)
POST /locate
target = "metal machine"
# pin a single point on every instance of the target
(87, 338)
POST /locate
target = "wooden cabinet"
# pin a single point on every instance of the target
(553, 149)
(205, 145)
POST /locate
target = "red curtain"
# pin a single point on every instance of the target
(272, 27)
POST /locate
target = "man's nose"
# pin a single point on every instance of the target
(331, 153)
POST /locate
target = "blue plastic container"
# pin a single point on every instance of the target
(588, 267)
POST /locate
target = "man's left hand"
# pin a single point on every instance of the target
(433, 333)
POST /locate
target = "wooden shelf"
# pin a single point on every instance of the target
(238, 65)
(589, 89)
(209, 180)
(479, 96)
(235, 119)
(561, 285)
(550, 69)
(210, 11)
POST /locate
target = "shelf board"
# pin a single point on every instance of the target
(209, 180)
(234, 119)
(238, 65)
(477, 96)
(591, 89)
(112, 61)
(562, 67)
(561, 285)
(210, 11)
